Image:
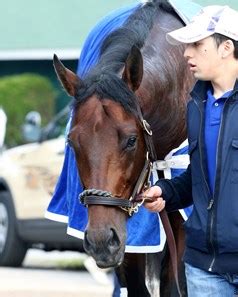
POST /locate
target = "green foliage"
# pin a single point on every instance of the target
(20, 94)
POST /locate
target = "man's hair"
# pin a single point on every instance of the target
(219, 38)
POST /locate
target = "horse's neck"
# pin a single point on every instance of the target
(165, 87)
(163, 102)
(168, 127)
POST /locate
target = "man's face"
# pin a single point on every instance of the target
(204, 59)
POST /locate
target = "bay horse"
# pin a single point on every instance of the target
(138, 76)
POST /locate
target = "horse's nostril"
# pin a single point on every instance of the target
(114, 239)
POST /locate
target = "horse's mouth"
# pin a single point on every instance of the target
(106, 259)
(109, 261)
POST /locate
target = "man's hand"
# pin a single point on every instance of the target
(154, 202)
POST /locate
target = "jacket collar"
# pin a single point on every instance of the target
(200, 89)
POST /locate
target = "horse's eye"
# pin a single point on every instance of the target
(131, 142)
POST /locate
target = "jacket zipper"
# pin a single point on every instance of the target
(211, 238)
(210, 206)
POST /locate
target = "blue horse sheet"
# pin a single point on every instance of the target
(145, 233)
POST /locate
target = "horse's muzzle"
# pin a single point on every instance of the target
(105, 247)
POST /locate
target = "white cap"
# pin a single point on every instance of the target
(211, 19)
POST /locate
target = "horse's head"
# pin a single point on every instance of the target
(108, 141)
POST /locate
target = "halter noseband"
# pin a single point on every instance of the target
(100, 197)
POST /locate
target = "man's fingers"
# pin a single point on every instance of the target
(156, 206)
(153, 200)
(154, 191)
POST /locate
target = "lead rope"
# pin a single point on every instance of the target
(172, 246)
(163, 214)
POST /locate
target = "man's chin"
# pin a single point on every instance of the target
(199, 76)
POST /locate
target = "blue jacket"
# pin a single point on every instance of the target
(212, 228)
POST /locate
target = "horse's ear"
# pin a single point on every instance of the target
(68, 79)
(133, 71)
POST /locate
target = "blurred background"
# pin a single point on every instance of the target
(33, 115)
(31, 32)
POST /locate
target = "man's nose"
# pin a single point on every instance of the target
(187, 52)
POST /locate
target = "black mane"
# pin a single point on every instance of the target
(107, 85)
(134, 31)
(102, 79)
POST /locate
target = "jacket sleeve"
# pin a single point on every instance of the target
(177, 192)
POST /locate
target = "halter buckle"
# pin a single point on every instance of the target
(134, 208)
(146, 127)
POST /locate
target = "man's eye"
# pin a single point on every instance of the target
(196, 44)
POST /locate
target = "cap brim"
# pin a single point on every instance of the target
(188, 34)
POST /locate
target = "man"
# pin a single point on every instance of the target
(211, 180)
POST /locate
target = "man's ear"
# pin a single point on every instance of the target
(69, 80)
(228, 48)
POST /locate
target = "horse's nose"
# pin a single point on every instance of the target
(114, 241)
(95, 241)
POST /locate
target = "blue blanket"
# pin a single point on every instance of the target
(144, 230)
